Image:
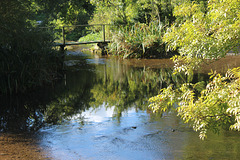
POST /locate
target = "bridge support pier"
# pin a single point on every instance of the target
(62, 50)
(62, 47)
(102, 46)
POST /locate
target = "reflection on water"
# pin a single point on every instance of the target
(99, 111)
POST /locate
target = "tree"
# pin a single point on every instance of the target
(65, 11)
(27, 58)
(60, 13)
(130, 12)
(204, 35)
(113, 11)
(199, 35)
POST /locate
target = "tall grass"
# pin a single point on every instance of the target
(28, 63)
(139, 41)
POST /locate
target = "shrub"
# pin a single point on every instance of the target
(140, 41)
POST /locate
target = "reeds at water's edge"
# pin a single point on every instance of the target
(140, 41)
(28, 64)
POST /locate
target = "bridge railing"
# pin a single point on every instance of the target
(100, 32)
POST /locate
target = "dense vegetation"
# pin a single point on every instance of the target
(138, 26)
(27, 59)
(60, 13)
(27, 56)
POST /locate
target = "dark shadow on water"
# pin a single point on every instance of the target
(31, 111)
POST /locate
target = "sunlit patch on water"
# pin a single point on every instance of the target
(76, 53)
(104, 137)
(71, 63)
(97, 134)
(96, 61)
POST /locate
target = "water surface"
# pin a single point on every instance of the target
(99, 111)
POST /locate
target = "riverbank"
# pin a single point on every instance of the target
(21, 146)
(220, 66)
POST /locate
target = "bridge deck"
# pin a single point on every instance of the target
(78, 43)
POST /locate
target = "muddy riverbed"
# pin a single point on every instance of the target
(21, 146)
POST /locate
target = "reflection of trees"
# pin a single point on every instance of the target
(122, 87)
(112, 85)
(24, 112)
(49, 105)
(75, 99)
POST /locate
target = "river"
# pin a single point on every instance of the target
(99, 111)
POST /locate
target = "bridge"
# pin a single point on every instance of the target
(101, 43)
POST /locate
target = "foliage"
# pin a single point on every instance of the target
(60, 13)
(65, 12)
(27, 58)
(112, 11)
(28, 66)
(129, 12)
(202, 34)
(140, 25)
(140, 40)
(217, 105)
